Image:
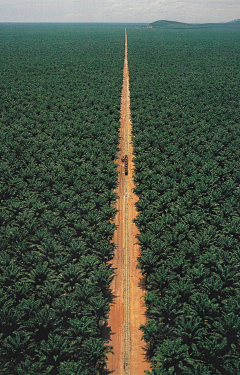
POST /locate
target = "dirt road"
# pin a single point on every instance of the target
(127, 311)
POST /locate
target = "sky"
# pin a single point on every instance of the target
(142, 11)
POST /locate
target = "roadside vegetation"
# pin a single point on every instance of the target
(186, 123)
(60, 105)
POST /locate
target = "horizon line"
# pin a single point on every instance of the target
(101, 22)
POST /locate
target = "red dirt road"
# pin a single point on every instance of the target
(127, 310)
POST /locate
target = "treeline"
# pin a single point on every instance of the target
(60, 104)
(185, 112)
(180, 25)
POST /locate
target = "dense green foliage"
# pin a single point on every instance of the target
(60, 102)
(181, 25)
(186, 122)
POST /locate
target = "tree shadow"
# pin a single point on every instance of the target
(142, 283)
(147, 356)
(142, 286)
(106, 372)
(110, 296)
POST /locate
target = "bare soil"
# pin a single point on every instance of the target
(127, 310)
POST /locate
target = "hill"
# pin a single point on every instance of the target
(180, 25)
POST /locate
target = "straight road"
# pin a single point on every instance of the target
(127, 310)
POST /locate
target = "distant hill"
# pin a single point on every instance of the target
(180, 25)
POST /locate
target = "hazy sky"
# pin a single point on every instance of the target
(118, 10)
